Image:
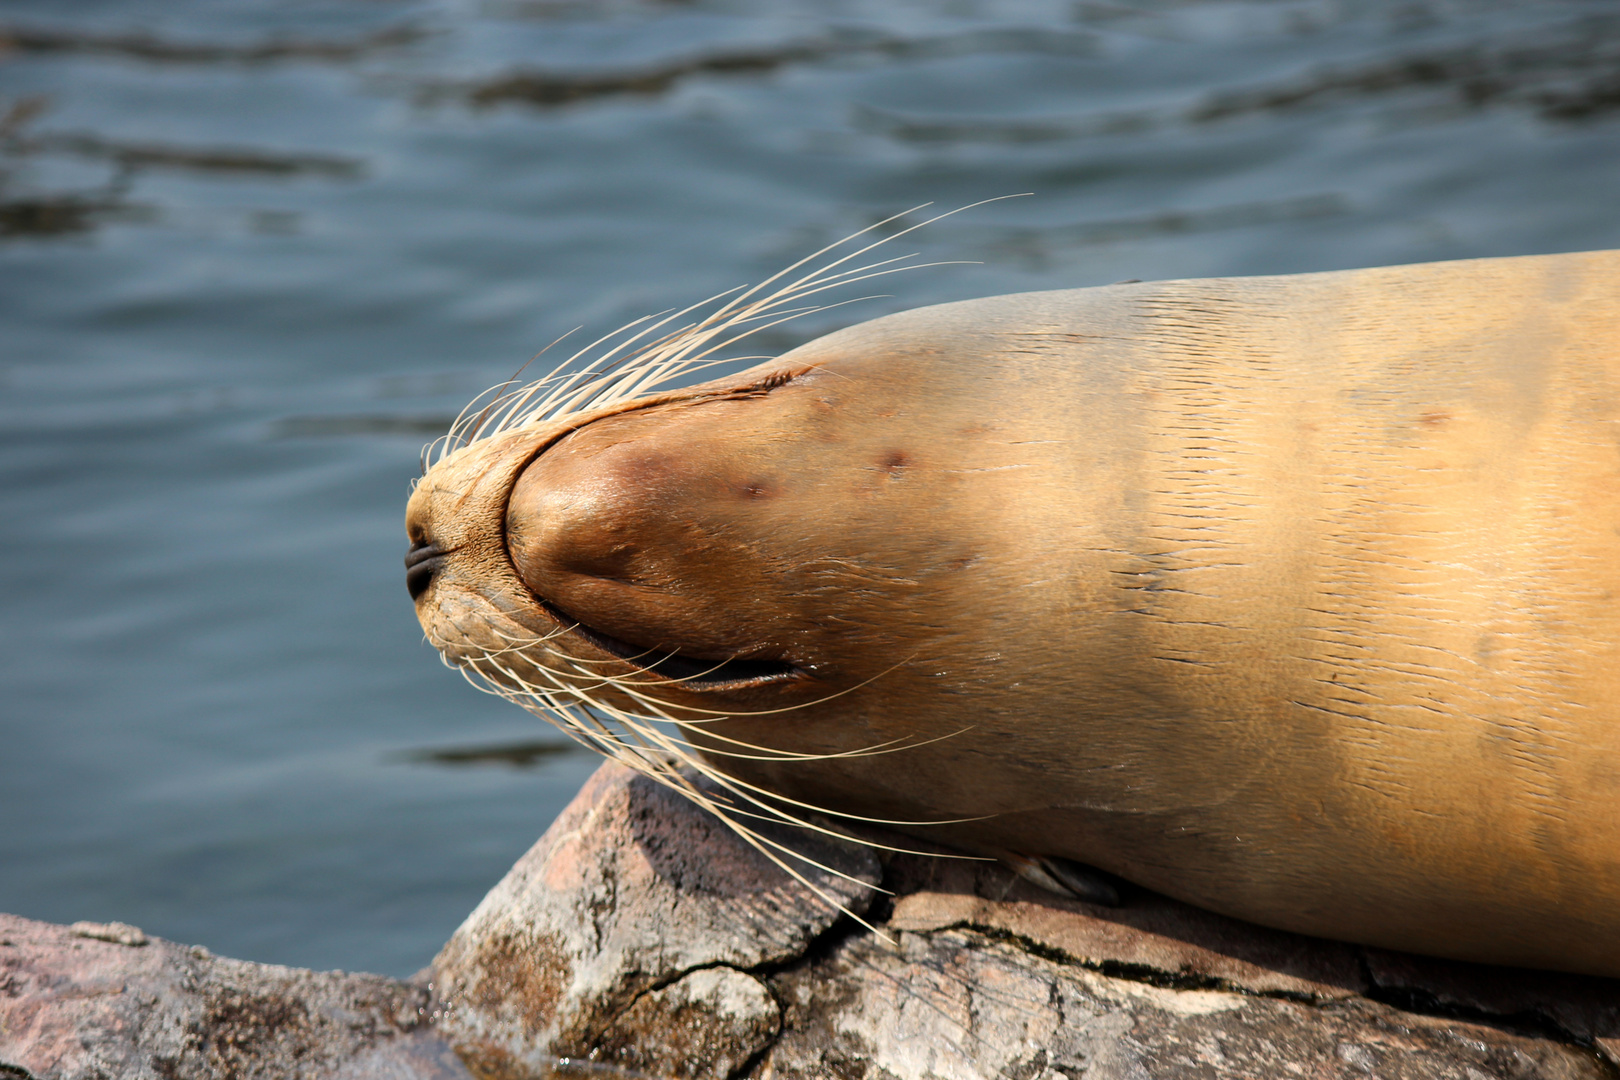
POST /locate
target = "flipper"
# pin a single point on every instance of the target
(1066, 878)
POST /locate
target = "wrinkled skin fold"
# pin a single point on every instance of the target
(1296, 597)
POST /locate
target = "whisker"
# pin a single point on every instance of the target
(621, 714)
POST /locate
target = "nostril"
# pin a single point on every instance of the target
(421, 563)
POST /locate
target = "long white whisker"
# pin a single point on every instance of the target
(625, 714)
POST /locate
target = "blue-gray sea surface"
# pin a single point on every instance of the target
(254, 253)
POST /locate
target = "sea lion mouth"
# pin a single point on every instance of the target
(690, 672)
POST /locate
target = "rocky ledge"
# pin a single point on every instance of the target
(641, 937)
(96, 1001)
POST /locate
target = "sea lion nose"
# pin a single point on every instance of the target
(421, 563)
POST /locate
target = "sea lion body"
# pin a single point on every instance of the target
(1297, 598)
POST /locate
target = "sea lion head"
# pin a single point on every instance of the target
(677, 546)
(772, 561)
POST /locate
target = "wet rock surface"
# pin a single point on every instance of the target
(640, 933)
(641, 938)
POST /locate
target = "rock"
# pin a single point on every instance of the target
(96, 1001)
(1157, 938)
(1578, 1006)
(704, 1025)
(587, 948)
(953, 1003)
(640, 933)
(640, 938)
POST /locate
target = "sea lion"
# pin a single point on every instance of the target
(1297, 598)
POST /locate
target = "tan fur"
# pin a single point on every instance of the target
(1294, 597)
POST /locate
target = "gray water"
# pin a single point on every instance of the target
(253, 254)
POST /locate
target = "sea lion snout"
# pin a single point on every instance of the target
(765, 526)
(660, 533)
